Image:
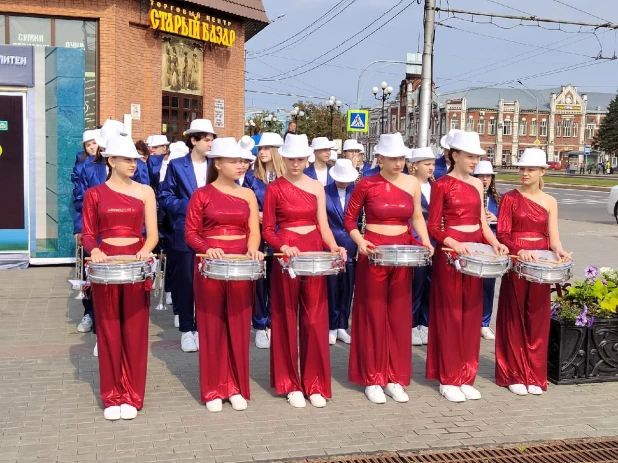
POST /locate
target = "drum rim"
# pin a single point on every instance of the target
(400, 247)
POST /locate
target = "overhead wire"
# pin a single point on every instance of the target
(581, 11)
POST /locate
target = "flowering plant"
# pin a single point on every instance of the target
(595, 297)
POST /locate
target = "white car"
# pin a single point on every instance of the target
(612, 202)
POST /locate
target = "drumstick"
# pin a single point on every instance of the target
(227, 256)
(111, 259)
(281, 254)
(476, 254)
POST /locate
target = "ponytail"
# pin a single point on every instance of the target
(493, 191)
(451, 160)
(212, 173)
(98, 157)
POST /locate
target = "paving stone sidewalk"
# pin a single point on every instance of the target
(50, 409)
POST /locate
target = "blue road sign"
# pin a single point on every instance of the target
(358, 120)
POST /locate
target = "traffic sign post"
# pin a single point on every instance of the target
(537, 142)
(358, 120)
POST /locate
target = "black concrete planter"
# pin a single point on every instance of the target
(579, 354)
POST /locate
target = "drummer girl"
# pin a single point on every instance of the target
(456, 305)
(115, 212)
(380, 355)
(222, 218)
(295, 221)
(528, 221)
(268, 167)
(491, 200)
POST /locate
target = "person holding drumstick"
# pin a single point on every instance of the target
(457, 216)
(295, 221)
(222, 218)
(528, 221)
(380, 356)
(115, 213)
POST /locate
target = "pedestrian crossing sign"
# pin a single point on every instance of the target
(358, 120)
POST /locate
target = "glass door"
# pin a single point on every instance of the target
(178, 110)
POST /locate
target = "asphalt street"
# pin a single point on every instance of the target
(578, 205)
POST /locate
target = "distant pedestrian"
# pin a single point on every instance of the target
(582, 168)
(607, 168)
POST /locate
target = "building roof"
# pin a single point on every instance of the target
(251, 10)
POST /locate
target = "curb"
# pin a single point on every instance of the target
(564, 186)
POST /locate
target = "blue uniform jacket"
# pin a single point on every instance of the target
(155, 163)
(425, 207)
(368, 171)
(78, 168)
(310, 172)
(493, 208)
(335, 218)
(441, 168)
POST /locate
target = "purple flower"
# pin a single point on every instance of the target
(585, 310)
(592, 272)
(590, 322)
(581, 320)
(554, 309)
(604, 282)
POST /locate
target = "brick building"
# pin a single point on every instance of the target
(67, 65)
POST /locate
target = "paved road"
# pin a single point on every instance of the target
(578, 205)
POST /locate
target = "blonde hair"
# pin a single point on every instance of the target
(541, 183)
(278, 166)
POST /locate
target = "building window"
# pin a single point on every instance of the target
(543, 128)
(567, 128)
(575, 129)
(506, 158)
(393, 123)
(30, 31)
(590, 128)
(177, 112)
(2, 29)
(559, 129)
(492, 126)
(434, 126)
(470, 125)
(454, 123)
(533, 128)
(443, 126)
(507, 127)
(522, 127)
(481, 127)
(402, 124)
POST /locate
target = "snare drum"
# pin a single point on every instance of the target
(313, 264)
(399, 255)
(236, 267)
(482, 263)
(547, 270)
(120, 272)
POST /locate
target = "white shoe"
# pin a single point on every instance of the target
(416, 337)
(375, 394)
(95, 351)
(296, 399)
(168, 299)
(85, 325)
(261, 340)
(112, 413)
(452, 393)
(395, 391)
(238, 402)
(176, 321)
(128, 412)
(197, 340)
(187, 342)
(487, 333)
(519, 389)
(214, 405)
(424, 334)
(332, 337)
(470, 392)
(343, 336)
(535, 390)
(317, 400)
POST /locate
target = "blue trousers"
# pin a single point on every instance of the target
(261, 311)
(489, 286)
(182, 289)
(340, 291)
(170, 274)
(421, 285)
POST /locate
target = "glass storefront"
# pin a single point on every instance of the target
(24, 30)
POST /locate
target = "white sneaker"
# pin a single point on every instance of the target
(470, 392)
(187, 342)
(416, 337)
(95, 351)
(424, 331)
(197, 340)
(343, 336)
(375, 394)
(214, 405)
(128, 412)
(519, 389)
(487, 333)
(535, 390)
(395, 391)
(317, 400)
(238, 402)
(296, 399)
(168, 299)
(112, 413)
(85, 325)
(261, 340)
(332, 337)
(176, 321)
(452, 393)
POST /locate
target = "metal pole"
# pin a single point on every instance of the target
(331, 122)
(425, 103)
(382, 118)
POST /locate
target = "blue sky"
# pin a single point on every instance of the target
(467, 54)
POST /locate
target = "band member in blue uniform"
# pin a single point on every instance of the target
(268, 168)
(491, 198)
(340, 287)
(421, 164)
(183, 177)
(321, 147)
(354, 151)
(246, 145)
(442, 163)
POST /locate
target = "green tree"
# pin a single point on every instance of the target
(607, 138)
(266, 126)
(316, 122)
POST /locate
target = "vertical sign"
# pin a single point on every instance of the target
(219, 113)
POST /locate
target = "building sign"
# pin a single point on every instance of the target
(16, 66)
(181, 21)
(26, 30)
(219, 113)
(183, 66)
(568, 107)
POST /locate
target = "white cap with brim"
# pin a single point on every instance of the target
(343, 171)
(270, 139)
(111, 128)
(178, 150)
(468, 142)
(200, 126)
(89, 135)
(121, 146)
(157, 140)
(391, 145)
(421, 154)
(296, 146)
(533, 157)
(484, 168)
(321, 143)
(445, 141)
(225, 147)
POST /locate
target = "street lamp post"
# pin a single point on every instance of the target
(332, 105)
(249, 125)
(296, 113)
(270, 119)
(386, 93)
